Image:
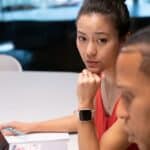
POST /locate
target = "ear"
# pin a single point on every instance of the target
(128, 35)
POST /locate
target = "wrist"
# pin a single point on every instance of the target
(85, 106)
(85, 114)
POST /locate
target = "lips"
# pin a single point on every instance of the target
(92, 63)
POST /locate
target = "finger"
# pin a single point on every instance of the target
(11, 124)
(97, 78)
(3, 126)
(6, 132)
(85, 72)
(82, 79)
(91, 78)
(7, 125)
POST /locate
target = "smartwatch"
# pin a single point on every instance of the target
(85, 114)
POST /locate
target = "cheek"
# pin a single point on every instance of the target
(109, 56)
(113, 50)
(140, 119)
(80, 48)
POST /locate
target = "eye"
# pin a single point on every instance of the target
(127, 98)
(81, 38)
(126, 101)
(102, 40)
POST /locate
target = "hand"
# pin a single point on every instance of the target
(20, 126)
(88, 84)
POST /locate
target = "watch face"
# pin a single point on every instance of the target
(85, 115)
(3, 143)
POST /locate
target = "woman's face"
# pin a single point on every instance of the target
(97, 42)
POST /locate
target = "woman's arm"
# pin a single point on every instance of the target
(64, 124)
(88, 84)
(115, 138)
(87, 136)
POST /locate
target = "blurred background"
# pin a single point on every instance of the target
(41, 33)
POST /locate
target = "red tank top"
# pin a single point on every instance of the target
(103, 121)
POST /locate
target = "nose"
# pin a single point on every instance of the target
(91, 49)
(122, 111)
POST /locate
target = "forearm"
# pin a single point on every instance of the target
(65, 124)
(115, 138)
(88, 84)
(87, 136)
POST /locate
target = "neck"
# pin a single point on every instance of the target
(110, 75)
(109, 90)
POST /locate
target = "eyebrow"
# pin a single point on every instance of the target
(125, 89)
(80, 32)
(120, 86)
(97, 33)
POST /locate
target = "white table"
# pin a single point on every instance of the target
(33, 96)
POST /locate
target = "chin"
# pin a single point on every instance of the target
(95, 70)
(142, 146)
(143, 143)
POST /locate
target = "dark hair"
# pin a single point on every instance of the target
(115, 9)
(141, 38)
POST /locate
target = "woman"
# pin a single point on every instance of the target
(102, 27)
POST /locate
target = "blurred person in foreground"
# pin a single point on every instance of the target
(133, 79)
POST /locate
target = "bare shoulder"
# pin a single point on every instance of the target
(115, 138)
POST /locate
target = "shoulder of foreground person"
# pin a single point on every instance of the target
(115, 138)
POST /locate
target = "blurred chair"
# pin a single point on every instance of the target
(24, 56)
(9, 63)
